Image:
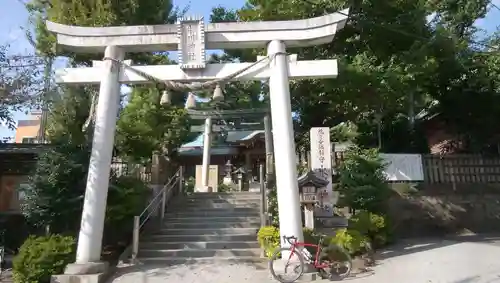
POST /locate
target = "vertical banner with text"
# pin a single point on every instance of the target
(321, 164)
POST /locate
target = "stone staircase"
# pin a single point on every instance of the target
(206, 227)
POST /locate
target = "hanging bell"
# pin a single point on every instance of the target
(191, 101)
(218, 94)
(166, 97)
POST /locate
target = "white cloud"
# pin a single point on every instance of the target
(15, 34)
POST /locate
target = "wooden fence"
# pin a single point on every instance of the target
(461, 169)
(456, 168)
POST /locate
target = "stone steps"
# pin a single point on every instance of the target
(199, 253)
(259, 263)
(241, 197)
(202, 238)
(225, 211)
(206, 227)
(210, 219)
(212, 213)
(207, 231)
(207, 206)
(212, 225)
(200, 245)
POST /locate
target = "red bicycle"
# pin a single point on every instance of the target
(332, 262)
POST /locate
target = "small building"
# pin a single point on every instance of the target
(241, 148)
(16, 163)
(28, 129)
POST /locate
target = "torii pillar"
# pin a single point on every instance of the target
(191, 37)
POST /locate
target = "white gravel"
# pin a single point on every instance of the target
(438, 262)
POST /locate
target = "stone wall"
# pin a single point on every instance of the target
(433, 210)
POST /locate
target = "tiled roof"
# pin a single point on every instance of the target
(232, 137)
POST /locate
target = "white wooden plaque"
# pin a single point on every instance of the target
(191, 32)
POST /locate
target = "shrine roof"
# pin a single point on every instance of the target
(232, 137)
(219, 147)
(22, 148)
(197, 151)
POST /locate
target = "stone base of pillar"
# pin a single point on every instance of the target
(92, 272)
(310, 276)
(81, 278)
(207, 189)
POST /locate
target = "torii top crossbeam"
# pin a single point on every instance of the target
(236, 35)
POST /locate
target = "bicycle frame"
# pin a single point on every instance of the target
(317, 263)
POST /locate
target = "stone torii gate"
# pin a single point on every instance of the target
(191, 37)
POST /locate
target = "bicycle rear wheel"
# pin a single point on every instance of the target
(294, 264)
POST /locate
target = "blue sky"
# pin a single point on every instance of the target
(13, 16)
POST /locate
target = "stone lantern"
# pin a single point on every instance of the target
(240, 174)
(309, 186)
(228, 170)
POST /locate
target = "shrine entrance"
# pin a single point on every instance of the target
(191, 37)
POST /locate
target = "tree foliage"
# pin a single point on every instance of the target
(61, 173)
(138, 135)
(362, 184)
(20, 84)
(393, 62)
(68, 113)
(54, 196)
(145, 126)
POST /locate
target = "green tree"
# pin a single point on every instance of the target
(68, 114)
(376, 64)
(362, 184)
(60, 176)
(54, 197)
(145, 126)
(392, 63)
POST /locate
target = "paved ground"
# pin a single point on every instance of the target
(470, 260)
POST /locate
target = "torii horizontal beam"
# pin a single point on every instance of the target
(238, 35)
(296, 70)
(202, 114)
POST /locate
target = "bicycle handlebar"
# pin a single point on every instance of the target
(288, 239)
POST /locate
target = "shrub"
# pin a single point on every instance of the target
(127, 197)
(223, 188)
(362, 184)
(351, 240)
(189, 185)
(55, 193)
(41, 257)
(371, 225)
(269, 239)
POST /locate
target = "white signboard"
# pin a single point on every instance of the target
(403, 167)
(191, 47)
(321, 164)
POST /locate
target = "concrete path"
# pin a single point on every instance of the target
(426, 261)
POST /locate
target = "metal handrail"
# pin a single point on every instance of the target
(165, 188)
(159, 200)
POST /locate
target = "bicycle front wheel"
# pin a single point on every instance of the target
(293, 264)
